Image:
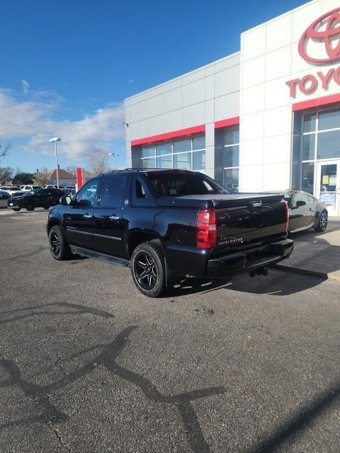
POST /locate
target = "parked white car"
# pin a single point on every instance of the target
(29, 188)
(12, 190)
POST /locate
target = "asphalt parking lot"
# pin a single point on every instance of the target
(88, 364)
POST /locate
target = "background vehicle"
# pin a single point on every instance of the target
(305, 211)
(69, 190)
(37, 198)
(4, 196)
(29, 188)
(12, 190)
(170, 224)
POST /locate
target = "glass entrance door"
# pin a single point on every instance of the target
(328, 186)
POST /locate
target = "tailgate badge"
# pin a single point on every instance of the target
(231, 241)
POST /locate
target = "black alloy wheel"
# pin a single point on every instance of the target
(148, 268)
(59, 248)
(30, 206)
(16, 209)
(322, 222)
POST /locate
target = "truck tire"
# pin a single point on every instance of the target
(148, 268)
(59, 248)
(30, 206)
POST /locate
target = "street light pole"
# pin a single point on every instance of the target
(55, 140)
(114, 155)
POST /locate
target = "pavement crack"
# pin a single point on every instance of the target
(60, 439)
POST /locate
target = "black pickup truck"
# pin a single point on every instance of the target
(170, 224)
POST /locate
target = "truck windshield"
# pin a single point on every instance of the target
(167, 183)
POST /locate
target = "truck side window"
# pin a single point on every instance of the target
(140, 191)
(87, 194)
(112, 191)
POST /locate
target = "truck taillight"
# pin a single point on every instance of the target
(287, 216)
(206, 231)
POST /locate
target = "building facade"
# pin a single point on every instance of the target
(264, 119)
(66, 179)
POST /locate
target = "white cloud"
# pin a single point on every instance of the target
(20, 119)
(30, 123)
(24, 86)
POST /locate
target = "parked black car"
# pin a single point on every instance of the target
(305, 211)
(4, 196)
(41, 198)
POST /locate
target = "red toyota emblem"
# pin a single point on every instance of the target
(324, 30)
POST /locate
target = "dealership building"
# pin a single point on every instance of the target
(266, 118)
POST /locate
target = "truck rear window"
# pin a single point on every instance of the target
(181, 184)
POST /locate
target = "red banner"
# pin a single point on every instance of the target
(80, 177)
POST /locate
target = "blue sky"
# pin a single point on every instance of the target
(68, 65)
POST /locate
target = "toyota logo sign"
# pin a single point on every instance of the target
(326, 31)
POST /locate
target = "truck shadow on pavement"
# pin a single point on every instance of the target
(278, 282)
(106, 357)
(314, 258)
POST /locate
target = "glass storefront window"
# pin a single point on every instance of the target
(309, 122)
(328, 177)
(328, 145)
(148, 162)
(198, 158)
(198, 142)
(319, 140)
(232, 135)
(308, 177)
(182, 161)
(231, 177)
(329, 120)
(182, 145)
(149, 151)
(227, 150)
(164, 148)
(179, 154)
(308, 151)
(164, 161)
(231, 156)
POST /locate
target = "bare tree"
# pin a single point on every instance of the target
(71, 169)
(4, 151)
(98, 163)
(41, 177)
(6, 175)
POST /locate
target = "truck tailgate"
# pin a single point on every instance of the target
(249, 218)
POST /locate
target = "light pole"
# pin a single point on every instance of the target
(55, 140)
(114, 155)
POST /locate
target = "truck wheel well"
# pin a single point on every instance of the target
(139, 238)
(52, 224)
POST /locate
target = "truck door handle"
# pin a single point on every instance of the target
(87, 216)
(114, 217)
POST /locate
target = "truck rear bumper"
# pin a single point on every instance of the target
(195, 262)
(249, 260)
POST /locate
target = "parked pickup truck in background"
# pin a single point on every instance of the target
(170, 224)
